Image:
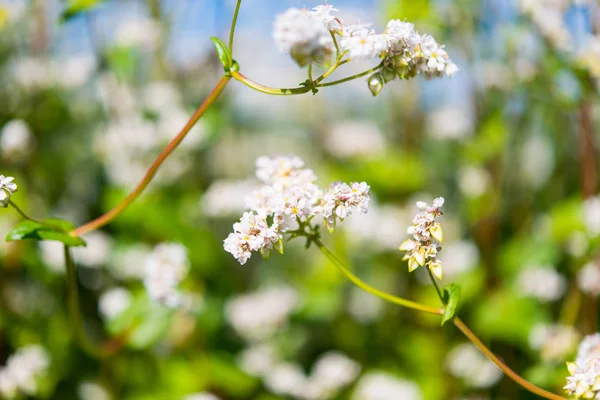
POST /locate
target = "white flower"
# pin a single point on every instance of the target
(465, 361)
(92, 391)
(554, 342)
(543, 283)
(258, 359)
(473, 181)
(340, 200)
(113, 302)
(140, 32)
(589, 347)
(165, 268)
(201, 396)
(224, 198)
(355, 139)
(332, 372)
(251, 233)
(362, 42)
(304, 34)
(15, 140)
(286, 379)
(7, 188)
(588, 278)
(258, 315)
(427, 235)
(591, 215)
(97, 252)
(22, 371)
(584, 379)
(384, 386)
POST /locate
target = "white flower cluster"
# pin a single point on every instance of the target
(422, 249)
(584, 379)
(588, 278)
(384, 386)
(309, 35)
(165, 268)
(287, 198)
(466, 361)
(555, 342)
(7, 188)
(257, 316)
(114, 302)
(542, 282)
(16, 141)
(22, 370)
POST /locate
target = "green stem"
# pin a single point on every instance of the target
(350, 78)
(335, 66)
(505, 368)
(437, 289)
(266, 89)
(233, 24)
(457, 322)
(114, 213)
(364, 286)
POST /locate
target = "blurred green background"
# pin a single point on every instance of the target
(510, 143)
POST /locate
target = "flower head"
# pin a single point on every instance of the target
(165, 268)
(584, 379)
(7, 188)
(426, 231)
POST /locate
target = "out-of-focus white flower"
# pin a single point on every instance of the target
(7, 188)
(92, 391)
(584, 379)
(332, 372)
(591, 215)
(52, 255)
(537, 161)
(166, 267)
(589, 55)
(473, 181)
(129, 262)
(459, 257)
(381, 227)
(286, 379)
(363, 306)
(384, 386)
(74, 71)
(141, 32)
(32, 73)
(427, 235)
(549, 18)
(304, 35)
(113, 302)
(258, 315)
(201, 396)
(97, 252)
(555, 342)
(588, 278)
(451, 122)
(543, 283)
(22, 370)
(465, 361)
(224, 198)
(355, 139)
(16, 140)
(258, 359)
(159, 96)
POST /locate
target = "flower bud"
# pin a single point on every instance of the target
(388, 74)
(376, 83)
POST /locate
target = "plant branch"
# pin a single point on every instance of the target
(266, 89)
(27, 217)
(437, 289)
(350, 78)
(364, 286)
(233, 24)
(114, 213)
(505, 368)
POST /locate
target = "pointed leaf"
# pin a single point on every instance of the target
(222, 52)
(47, 230)
(451, 298)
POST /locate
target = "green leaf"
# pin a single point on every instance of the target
(155, 323)
(451, 297)
(222, 52)
(76, 7)
(51, 229)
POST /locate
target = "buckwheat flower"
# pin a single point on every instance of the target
(340, 200)
(384, 386)
(589, 347)
(258, 359)
(332, 372)
(591, 215)
(114, 302)
(89, 390)
(543, 283)
(287, 379)
(554, 342)
(252, 233)
(427, 235)
(584, 379)
(466, 362)
(588, 278)
(15, 140)
(7, 188)
(305, 35)
(165, 268)
(22, 371)
(362, 42)
(257, 316)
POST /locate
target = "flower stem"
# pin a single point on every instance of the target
(350, 78)
(505, 368)
(104, 350)
(27, 217)
(233, 24)
(459, 324)
(437, 289)
(112, 214)
(266, 89)
(367, 288)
